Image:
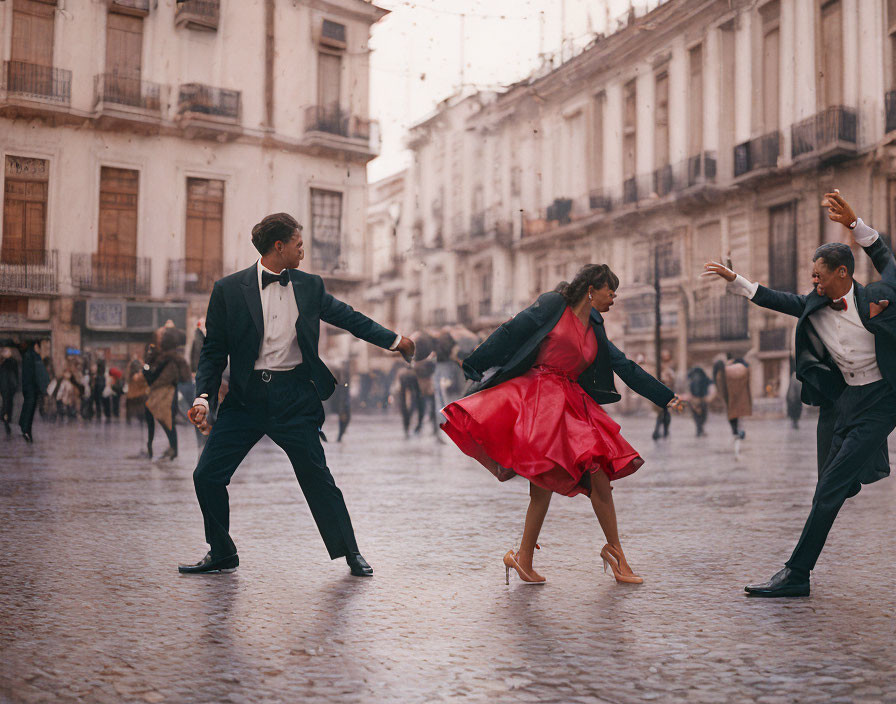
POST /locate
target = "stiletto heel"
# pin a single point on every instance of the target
(511, 561)
(610, 557)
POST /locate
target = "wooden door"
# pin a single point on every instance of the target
(116, 258)
(329, 75)
(31, 55)
(204, 233)
(830, 79)
(24, 211)
(124, 57)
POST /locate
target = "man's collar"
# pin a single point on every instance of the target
(850, 295)
(262, 267)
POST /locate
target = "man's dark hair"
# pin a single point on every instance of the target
(277, 227)
(835, 255)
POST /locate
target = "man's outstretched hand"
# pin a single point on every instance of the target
(406, 348)
(838, 209)
(716, 269)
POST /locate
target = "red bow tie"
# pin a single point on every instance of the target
(839, 304)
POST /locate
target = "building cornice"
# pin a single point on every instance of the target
(356, 9)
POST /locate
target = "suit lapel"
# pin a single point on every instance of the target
(863, 303)
(252, 294)
(298, 290)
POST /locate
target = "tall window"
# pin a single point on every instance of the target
(116, 255)
(204, 233)
(782, 270)
(661, 121)
(25, 211)
(771, 39)
(891, 34)
(830, 58)
(597, 141)
(726, 103)
(629, 130)
(695, 100)
(32, 32)
(329, 81)
(124, 58)
(326, 229)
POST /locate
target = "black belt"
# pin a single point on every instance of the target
(268, 375)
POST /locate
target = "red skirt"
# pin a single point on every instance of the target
(541, 426)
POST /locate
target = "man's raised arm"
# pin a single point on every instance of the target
(781, 301)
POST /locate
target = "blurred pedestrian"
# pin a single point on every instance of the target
(9, 384)
(196, 346)
(102, 392)
(445, 369)
(137, 390)
(164, 370)
(34, 385)
(794, 397)
(68, 396)
(408, 397)
(699, 385)
(425, 370)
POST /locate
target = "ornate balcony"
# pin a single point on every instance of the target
(719, 318)
(827, 134)
(28, 90)
(127, 100)
(183, 279)
(138, 8)
(29, 272)
(598, 199)
(757, 154)
(701, 169)
(198, 14)
(118, 274)
(331, 129)
(663, 182)
(206, 112)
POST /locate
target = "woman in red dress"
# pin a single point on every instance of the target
(536, 412)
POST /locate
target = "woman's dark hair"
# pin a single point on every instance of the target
(834, 255)
(597, 275)
(277, 227)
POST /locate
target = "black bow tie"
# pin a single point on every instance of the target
(839, 304)
(269, 278)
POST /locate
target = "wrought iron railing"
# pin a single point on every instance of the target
(662, 180)
(477, 225)
(890, 107)
(124, 90)
(103, 273)
(599, 200)
(140, 7)
(701, 169)
(192, 277)
(759, 153)
(208, 100)
(719, 318)
(201, 14)
(44, 82)
(335, 120)
(630, 191)
(33, 271)
(828, 128)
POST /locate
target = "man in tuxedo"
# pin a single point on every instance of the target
(266, 320)
(846, 361)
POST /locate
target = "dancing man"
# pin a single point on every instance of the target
(846, 360)
(266, 319)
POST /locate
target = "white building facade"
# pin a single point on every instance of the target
(704, 129)
(142, 140)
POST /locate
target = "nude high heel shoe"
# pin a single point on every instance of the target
(511, 562)
(612, 559)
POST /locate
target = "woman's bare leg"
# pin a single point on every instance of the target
(539, 501)
(605, 510)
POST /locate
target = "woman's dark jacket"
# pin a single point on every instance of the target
(512, 349)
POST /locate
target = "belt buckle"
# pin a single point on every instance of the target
(265, 376)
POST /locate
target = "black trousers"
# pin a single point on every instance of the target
(26, 415)
(865, 416)
(288, 410)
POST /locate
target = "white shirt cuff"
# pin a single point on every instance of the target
(201, 402)
(741, 287)
(394, 345)
(865, 236)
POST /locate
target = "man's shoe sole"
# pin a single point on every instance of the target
(777, 593)
(221, 570)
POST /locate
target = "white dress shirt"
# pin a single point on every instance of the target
(279, 349)
(841, 331)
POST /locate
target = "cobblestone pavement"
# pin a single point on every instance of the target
(92, 609)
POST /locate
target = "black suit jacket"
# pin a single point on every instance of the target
(235, 327)
(513, 348)
(822, 379)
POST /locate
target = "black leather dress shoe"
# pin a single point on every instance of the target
(208, 565)
(359, 565)
(784, 583)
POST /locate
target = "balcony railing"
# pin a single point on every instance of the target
(719, 318)
(890, 106)
(29, 272)
(207, 100)
(560, 210)
(702, 169)
(774, 339)
(477, 225)
(131, 92)
(630, 191)
(759, 153)
(119, 274)
(198, 14)
(325, 256)
(140, 8)
(199, 279)
(33, 81)
(662, 180)
(833, 129)
(334, 120)
(599, 200)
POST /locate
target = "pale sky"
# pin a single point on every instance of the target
(416, 60)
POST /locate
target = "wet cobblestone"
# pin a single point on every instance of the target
(92, 609)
